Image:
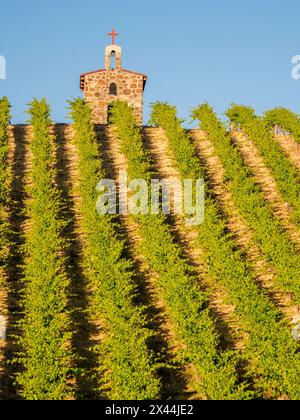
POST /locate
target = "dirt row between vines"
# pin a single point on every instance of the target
(228, 324)
(265, 179)
(290, 147)
(86, 333)
(177, 382)
(264, 272)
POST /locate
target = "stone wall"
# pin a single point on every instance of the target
(102, 87)
(130, 88)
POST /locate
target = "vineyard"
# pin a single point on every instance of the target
(144, 306)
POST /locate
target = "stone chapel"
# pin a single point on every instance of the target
(102, 87)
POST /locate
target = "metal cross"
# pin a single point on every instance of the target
(113, 34)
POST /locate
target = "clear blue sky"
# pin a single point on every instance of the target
(221, 51)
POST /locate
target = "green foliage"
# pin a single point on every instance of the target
(186, 303)
(122, 116)
(129, 371)
(272, 355)
(45, 355)
(272, 240)
(285, 119)
(5, 116)
(165, 116)
(285, 174)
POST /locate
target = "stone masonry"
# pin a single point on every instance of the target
(102, 87)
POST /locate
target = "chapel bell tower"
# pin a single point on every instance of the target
(102, 87)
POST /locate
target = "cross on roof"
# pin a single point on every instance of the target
(113, 34)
